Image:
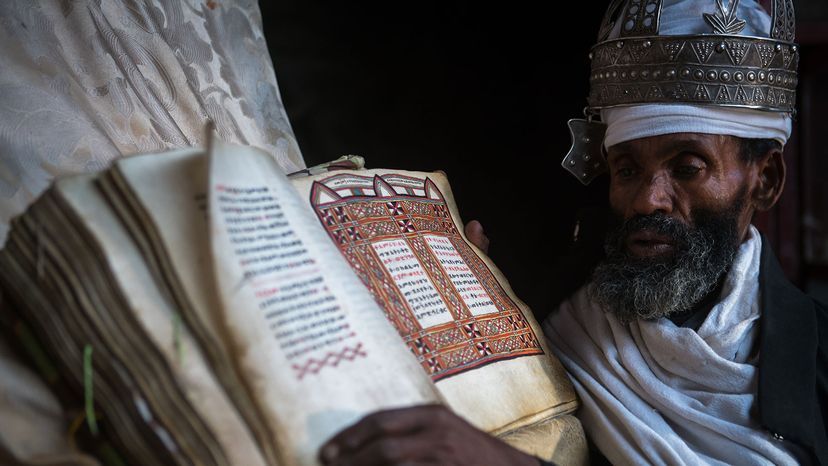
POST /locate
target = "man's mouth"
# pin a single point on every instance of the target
(647, 243)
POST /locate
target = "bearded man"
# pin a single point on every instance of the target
(687, 345)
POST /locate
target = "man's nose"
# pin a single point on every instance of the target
(653, 195)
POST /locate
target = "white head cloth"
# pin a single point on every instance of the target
(639, 121)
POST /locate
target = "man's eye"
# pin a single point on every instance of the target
(625, 172)
(686, 171)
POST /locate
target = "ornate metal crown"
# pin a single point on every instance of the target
(721, 68)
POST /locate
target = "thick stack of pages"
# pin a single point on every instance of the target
(235, 317)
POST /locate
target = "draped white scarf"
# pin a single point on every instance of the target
(653, 392)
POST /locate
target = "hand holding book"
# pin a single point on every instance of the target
(419, 435)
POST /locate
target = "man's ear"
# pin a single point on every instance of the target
(770, 180)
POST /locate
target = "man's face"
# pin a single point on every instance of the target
(682, 207)
(677, 175)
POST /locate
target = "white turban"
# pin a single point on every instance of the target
(639, 121)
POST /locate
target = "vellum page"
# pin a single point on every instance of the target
(167, 193)
(402, 234)
(164, 198)
(560, 440)
(54, 299)
(157, 320)
(315, 347)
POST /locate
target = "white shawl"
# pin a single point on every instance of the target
(653, 392)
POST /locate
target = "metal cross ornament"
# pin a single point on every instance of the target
(585, 158)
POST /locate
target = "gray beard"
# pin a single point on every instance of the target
(645, 288)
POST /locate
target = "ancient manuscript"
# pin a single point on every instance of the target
(241, 317)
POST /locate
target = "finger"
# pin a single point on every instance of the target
(384, 423)
(411, 448)
(475, 234)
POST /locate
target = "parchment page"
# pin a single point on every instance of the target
(402, 234)
(163, 197)
(157, 320)
(315, 347)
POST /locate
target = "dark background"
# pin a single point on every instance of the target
(484, 93)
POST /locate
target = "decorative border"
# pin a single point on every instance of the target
(405, 208)
(332, 359)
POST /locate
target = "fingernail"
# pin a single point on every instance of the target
(329, 452)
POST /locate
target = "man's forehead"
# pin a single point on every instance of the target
(714, 143)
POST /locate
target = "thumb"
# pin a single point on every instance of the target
(475, 234)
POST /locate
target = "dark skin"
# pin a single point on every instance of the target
(423, 435)
(674, 174)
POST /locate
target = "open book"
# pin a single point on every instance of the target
(227, 315)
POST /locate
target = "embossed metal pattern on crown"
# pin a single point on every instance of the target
(719, 69)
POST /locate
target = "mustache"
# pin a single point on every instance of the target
(679, 233)
(649, 288)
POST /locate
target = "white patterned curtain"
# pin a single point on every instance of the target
(83, 82)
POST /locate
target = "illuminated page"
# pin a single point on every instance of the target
(317, 350)
(402, 235)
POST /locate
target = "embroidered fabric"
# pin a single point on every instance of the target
(83, 82)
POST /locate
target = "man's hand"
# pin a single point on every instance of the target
(475, 234)
(423, 435)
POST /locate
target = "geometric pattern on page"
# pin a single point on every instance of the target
(332, 358)
(397, 234)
